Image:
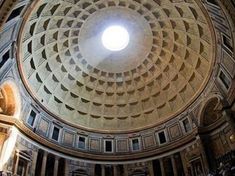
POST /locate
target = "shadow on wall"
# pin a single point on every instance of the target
(9, 99)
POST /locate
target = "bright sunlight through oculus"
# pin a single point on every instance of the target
(115, 38)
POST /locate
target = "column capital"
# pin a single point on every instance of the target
(45, 154)
(57, 158)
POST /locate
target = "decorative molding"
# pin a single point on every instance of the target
(170, 147)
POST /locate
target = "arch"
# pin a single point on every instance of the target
(212, 104)
(10, 103)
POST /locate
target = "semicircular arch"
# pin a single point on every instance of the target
(10, 103)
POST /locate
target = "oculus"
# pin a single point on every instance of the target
(115, 38)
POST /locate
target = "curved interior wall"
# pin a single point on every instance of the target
(178, 137)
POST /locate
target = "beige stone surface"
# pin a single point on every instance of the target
(164, 68)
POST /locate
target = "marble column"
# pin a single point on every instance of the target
(150, 168)
(23, 171)
(66, 167)
(200, 145)
(93, 169)
(16, 163)
(125, 168)
(102, 170)
(44, 163)
(162, 167)
(184, 162)
(115, 170)
(27, 169)
(174, 165)
(56, 164)
(34, 161)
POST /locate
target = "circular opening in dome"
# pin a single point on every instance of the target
(115, 38)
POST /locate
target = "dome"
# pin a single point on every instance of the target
(163, 69)
(117, 87)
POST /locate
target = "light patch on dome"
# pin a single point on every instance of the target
(115, 38)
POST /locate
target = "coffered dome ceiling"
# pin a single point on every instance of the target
(163, 69)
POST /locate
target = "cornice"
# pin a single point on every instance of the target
(170, 147)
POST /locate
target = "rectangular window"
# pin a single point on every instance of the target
(31, 118)
(214, 2)
(227, 43)
(135, 145)
(55, 134)
(81, 142)
(108, 146)
(224, 80)
(162, 137)
(15, 13)
(4, 58)
(186, 125)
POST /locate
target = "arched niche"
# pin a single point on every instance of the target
(211, 111)
(9, 99)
